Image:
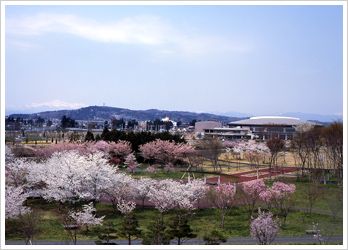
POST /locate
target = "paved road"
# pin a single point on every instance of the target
(283, 240)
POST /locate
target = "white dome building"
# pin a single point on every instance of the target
(266, 127)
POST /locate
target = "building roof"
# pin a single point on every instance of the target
(229, 129)
(200, 126)
(270, 120)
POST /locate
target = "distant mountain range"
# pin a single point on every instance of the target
(314, 117)
(105, 113)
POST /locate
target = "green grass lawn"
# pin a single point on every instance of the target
(163, 174)
(329, 197)
(201, 221)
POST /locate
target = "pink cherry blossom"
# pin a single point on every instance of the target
(121, 149)
(69, 176)
(282, 190)
(264, 229)
(252, 191)
(224, 195)
(165, 151)
(16, 171)
(123, 187)
(254, 188)
(131, 163)
(222, 198)
(143, 187)
(168, 194)
(266, 195)
(86, 217)
(126, 207)
(279, 190)
(14, 199)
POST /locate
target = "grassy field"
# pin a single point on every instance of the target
(163, 174)
(201, 221)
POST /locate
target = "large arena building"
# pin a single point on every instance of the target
(265, 127)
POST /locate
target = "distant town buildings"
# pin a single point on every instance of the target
(262, 127)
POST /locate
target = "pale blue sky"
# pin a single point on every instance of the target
(249, 59)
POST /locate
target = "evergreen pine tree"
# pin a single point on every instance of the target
(106, 233)
(89, 136)
(97, 137)
(180, 229)
(130, 227)
(215, 237)
(156, 234)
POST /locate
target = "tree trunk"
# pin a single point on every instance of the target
(129, 240)
(222, 225)
(75, 237)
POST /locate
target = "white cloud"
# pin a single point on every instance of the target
(142, 30)
(55, 104)
(139, 30)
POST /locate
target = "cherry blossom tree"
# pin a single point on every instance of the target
(16, 171)
(99, 176)
(168, 194)
(48, 151)
(264, 229)
(150, 150)
(239, 146)
(126, 207)
(165, 151)
(102, 146)
(130, 227)
(222, 198)
(69, 176)
(14, 199)
(123, 187)
(120, 150)
(9, 156)
(27, 218)
(251, 190)
(131, 163)
(172, 195)
(143, 187)
(84, 218)
(279, 197)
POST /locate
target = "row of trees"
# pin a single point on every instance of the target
(135, 138)
(160, 152)
(69, 179)
(318, 148)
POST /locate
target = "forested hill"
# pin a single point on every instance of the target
(105, 113)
